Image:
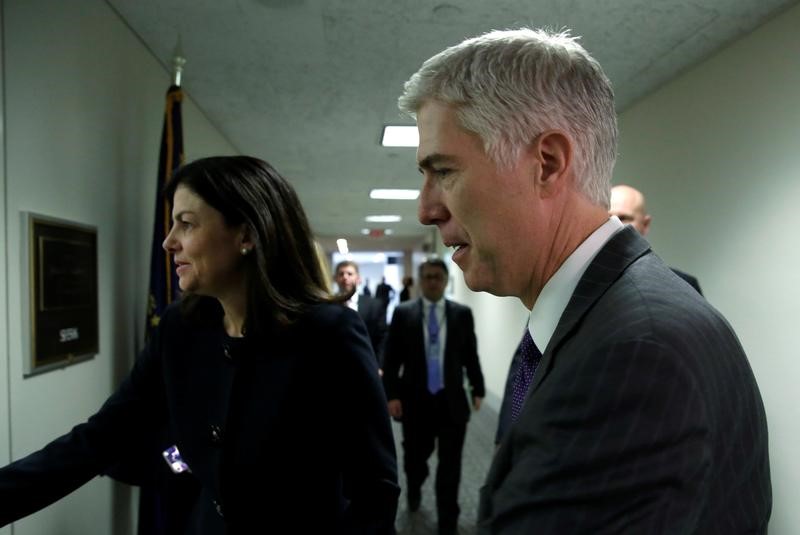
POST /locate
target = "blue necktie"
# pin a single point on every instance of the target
(434, 369)
(527, 368)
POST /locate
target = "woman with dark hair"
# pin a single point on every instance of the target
(263, 388)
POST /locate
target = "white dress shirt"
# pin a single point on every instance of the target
(555, 295)
(353, 301)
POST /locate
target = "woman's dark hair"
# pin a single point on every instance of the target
(283, 276)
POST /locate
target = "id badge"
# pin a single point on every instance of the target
(173, 458)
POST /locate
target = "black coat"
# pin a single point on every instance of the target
(286, 433)
(373, 312)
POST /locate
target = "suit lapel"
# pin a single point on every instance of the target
(447, 313)
(448, 321)
(611, 261)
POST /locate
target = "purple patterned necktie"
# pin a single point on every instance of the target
(530, 357)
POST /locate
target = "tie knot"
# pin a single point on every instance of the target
(529, 361)
(528, 348)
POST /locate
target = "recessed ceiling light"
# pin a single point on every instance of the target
(400, 136)
(388, 232)
(341, 243)
(364, 231)
(383, 218)
(405, 194)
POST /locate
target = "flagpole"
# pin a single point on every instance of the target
(161, 505)
(163, 279)
(178, 61)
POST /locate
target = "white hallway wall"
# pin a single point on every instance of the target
(717, 152)
(83, 115)
(5, 442)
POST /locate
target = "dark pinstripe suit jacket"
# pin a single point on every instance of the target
(643, 417)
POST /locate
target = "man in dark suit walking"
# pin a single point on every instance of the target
(370, 309)
(634, 409)
(384, 292)
(433, 340)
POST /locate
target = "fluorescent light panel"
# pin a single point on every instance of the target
(341, 243)
(404, 194)
(400, 136)
(383, 218)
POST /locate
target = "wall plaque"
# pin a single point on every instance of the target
(62, 303)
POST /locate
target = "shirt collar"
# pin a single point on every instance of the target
(427, 304)
(555, 295)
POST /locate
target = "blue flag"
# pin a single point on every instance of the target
(163, 279)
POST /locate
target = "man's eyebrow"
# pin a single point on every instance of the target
(436, 158)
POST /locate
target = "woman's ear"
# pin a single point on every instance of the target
(245, 237)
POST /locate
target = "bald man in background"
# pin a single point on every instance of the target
(628, 204)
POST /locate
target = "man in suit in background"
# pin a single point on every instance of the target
(405, 293)
(635, 409)
(433, 340)
(370, 309)
(384, 292)
(628, 204)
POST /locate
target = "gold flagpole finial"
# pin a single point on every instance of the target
(178, 61)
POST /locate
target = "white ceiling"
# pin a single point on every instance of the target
(309, 84)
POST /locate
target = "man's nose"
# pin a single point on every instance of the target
(431, 209)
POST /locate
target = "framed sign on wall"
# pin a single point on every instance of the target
(61, 305)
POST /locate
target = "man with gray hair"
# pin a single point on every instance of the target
(634, 408)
